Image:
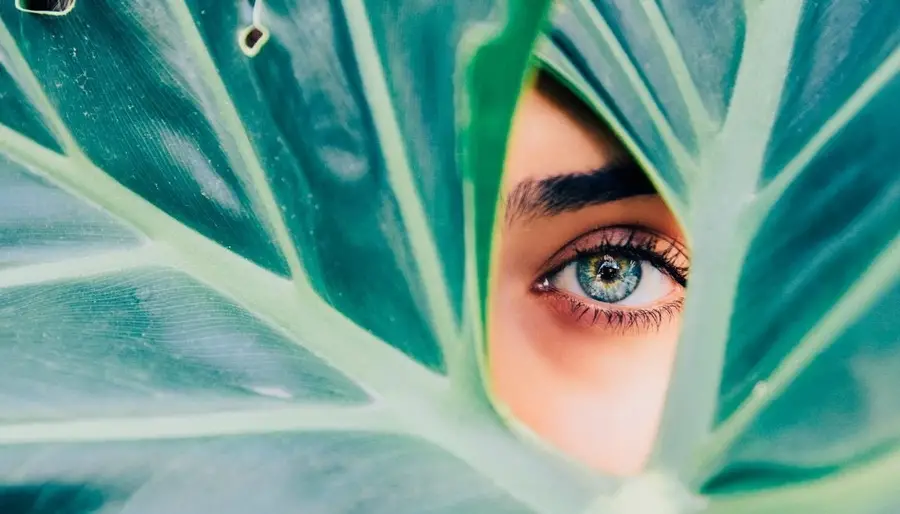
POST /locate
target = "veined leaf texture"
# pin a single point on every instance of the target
(243, 248)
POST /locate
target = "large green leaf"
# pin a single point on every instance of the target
(771, 128)
(232, 276)
(241, 279)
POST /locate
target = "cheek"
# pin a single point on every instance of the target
(596, 394)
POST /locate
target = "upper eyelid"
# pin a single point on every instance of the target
(679, 274)
(569, 250)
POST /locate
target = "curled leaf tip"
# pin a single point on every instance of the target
(46, 7)
(251, 39)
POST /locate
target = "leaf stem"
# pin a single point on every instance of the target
(719, 249)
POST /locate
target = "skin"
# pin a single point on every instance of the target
(594, 392)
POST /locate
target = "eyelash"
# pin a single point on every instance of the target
(634, 243)
(619, 319)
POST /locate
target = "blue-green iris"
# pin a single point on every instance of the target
(607, 278)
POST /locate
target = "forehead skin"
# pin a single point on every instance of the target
(549, 118)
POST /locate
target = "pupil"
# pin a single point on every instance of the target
(608, 270)
(608, 278)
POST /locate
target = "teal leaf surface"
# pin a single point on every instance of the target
(249, 281)
(769, 127)
(233, 260)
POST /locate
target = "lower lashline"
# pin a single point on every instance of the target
(668, 309)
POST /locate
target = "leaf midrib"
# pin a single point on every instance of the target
(306, 417)
(261, 292)
(419, 404)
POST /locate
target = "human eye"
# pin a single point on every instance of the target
(626, 278)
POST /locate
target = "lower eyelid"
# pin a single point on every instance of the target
(588, 314)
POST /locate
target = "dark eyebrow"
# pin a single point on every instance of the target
(573, 191)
